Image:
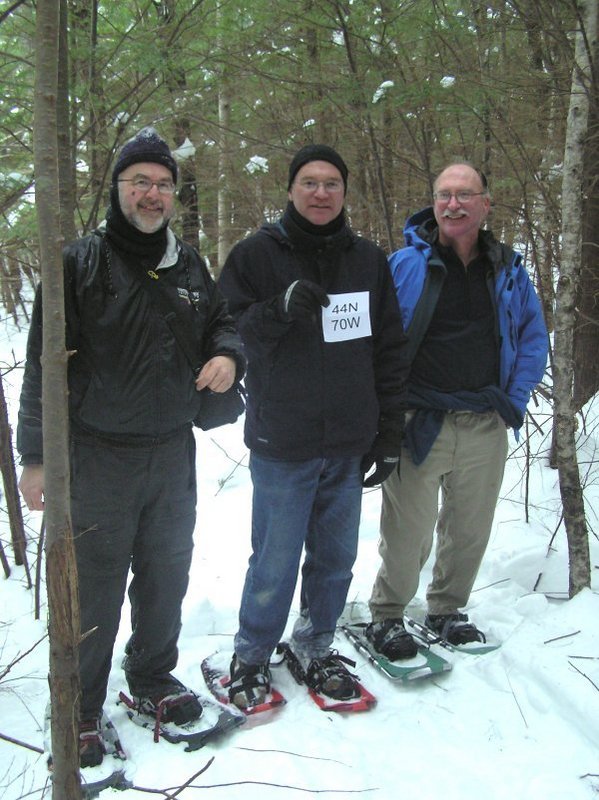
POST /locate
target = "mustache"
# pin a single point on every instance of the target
(462, 212)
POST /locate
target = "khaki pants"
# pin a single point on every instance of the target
(466, 462)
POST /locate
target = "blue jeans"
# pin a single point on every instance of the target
(316, 504)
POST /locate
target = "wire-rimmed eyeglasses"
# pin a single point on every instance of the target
(330, 186)
(461, 197)
(144, 185)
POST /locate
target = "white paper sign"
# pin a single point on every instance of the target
(347, 317)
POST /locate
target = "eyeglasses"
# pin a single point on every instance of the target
(145, 184)
(461, 197)
(331, 186)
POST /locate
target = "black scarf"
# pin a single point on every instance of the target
(147, 248)
(304, 235)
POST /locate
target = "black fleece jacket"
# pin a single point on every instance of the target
(308, 398)
(128, 379)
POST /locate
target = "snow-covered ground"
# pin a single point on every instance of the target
(521, 722)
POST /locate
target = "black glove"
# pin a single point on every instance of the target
(302, 300)
(384, 467)
(384, 453)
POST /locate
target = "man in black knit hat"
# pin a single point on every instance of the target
(132, 399)
(318, 316)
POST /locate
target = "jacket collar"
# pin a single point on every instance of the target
(171, 254)
(421, 231)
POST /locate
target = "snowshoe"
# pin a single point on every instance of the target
(103, 760)
(472, 641)
(390, 639)
(220, 682)
(330, 684)
(425, 664)
(180, 717)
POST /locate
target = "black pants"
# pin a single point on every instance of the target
(131, 507)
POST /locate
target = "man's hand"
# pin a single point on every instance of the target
(384, 467)
(303, 300)
(385, 451)
(218, 374)
(31, 486)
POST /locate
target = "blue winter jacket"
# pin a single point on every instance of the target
(523, 336)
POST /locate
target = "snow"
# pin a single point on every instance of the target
(185, 151)
(257, 164)
(521, 722)
(382, 91)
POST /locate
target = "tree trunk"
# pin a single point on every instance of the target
(66, 154)
(96, 112)
(176, 81)
(564, 411)
(379, 177)
(61, 576)
(224, 169)
(586, 336)
(323, 128)
(11, 492)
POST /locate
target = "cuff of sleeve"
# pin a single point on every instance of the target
(29, 460)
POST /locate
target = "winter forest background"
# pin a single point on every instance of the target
(399, 88)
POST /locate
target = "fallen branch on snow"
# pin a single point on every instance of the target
(10, 739)
(580, 672)
(166, 793)
(565, 636)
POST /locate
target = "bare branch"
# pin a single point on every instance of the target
(565, 636)
(21, 657)
(10, 739)
(580, 672)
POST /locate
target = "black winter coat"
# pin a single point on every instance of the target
(128, 379)
(308, 398)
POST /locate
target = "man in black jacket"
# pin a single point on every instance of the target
(318, 316)
(132, 399)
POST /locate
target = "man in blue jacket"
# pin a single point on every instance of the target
(326, 382)
(478, 346)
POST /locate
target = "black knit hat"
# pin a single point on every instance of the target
(147, 145)
(317, 152)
